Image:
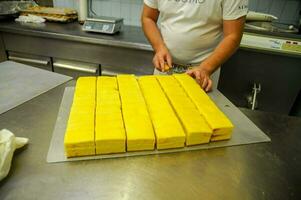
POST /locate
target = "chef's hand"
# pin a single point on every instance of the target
(162, 59)
(202, 77)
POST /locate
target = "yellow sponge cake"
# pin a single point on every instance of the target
(139, 130)
(196, 128)
(79, 137)
(109, 131)
(216, 119)
(168, 130)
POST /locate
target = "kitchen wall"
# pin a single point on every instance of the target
(130, 10)
(286, 10)
(45, 2)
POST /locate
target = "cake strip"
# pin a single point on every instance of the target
(217, 120)
(168, 130)
(109, 131)
(79, 137)
(196, 128)
(139, 130)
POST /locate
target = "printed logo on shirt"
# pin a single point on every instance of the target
(189, 1)
(243, 7)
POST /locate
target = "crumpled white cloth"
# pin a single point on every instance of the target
(30, 18)
(8, 144)
(257, 16)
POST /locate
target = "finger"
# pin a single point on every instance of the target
(204, 83)
(156, 63)
(169, 61)
(190, 73)
(198, 77)
(209, 86)
(161, 63)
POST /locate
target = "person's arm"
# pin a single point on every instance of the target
(149, 25)
(233, 30)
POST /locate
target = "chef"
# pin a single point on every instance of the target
(193, 36)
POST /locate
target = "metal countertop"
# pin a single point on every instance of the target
(130, 37)
(259, 171)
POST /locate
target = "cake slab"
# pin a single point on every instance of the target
(245, 132)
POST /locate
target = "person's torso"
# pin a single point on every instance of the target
(191, 29)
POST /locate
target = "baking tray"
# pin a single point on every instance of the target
(20, 83)
(245, 132)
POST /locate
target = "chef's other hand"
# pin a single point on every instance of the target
(162, 59)
(202, 77)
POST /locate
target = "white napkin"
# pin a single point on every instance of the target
(30, 19)
(8, 144)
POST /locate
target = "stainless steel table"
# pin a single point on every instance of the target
(260, 171)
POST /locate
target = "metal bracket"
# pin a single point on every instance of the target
(252, 99)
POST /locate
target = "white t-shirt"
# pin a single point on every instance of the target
(192, 29)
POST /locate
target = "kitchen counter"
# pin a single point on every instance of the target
(124, 52)
(275, 34)
(130, 37)
(258, 171)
